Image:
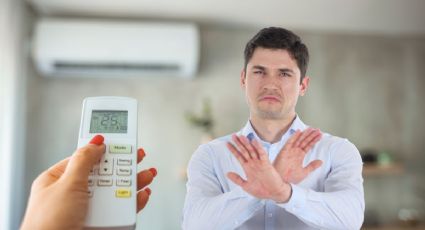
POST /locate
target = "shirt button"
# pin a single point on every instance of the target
(270, 215)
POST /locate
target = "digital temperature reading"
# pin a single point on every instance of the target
(103, 121)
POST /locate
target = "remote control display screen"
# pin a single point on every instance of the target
(104, 121)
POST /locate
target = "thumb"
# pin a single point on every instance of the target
(83, 160)
(235, 178)
(313, 165)
(51, 175)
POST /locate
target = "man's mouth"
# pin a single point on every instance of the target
(270, 98)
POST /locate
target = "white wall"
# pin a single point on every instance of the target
(12, 115)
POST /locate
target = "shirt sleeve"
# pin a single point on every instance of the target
(206, 205)
(341, 204)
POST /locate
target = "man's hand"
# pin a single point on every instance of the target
(59, 196)
(262, 179)
(289, 162)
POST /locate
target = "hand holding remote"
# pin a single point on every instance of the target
(59, 198)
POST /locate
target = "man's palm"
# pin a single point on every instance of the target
(262, 179)
(289, 162)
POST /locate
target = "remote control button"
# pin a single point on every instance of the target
(91, 181)
(107, 160)
(90, 193)
(123, 171)
(123, 193)
(106, 166)
(104, 182)
(124, 162)
(115, 148)
(123, 182)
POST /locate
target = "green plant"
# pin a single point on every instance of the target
(204, 120)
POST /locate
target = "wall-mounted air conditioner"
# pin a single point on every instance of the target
(79, 48)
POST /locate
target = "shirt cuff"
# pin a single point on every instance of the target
(297, 201)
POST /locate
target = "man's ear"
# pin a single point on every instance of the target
(243, 79)
(304, 85)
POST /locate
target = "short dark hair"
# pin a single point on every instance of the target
(279, 38)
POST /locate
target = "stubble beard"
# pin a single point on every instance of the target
(269, 114)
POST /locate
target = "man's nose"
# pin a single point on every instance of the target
(271, 81)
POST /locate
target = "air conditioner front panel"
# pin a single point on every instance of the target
(86, 46)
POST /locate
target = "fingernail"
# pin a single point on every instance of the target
(148, 190)
(141, 150)
(153, 171)
(97, 140)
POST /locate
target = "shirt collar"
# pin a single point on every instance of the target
(250, 133)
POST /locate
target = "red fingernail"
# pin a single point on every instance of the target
(142, 151)
(153, 171)
(97, 140)
(148, 190)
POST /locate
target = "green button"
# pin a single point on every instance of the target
(120, 148)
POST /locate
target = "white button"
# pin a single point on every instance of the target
(90, 192)
(124, 162)
(104, 182)
(107, 160)
(106, 166)
(270, 215)
(105, 170)
(123, 182)
(121, 171)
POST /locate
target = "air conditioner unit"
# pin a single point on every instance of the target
(80, 48)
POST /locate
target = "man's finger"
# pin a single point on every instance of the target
(143, 198)
(313, 166)
(235, 178)
(311, 136)
(140, 155)
(83, 160)
(241, 147)
(236, 153)
(262, 155)
(145, 177)
(292, 140)
(313, 141)
(251, 150)
(304, 134)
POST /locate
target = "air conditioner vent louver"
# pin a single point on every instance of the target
(68, 66)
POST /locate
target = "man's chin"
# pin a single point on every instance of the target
(270, 114)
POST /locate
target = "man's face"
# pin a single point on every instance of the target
(272, 84)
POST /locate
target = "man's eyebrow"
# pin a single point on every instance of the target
(259, 67)
(286, 70)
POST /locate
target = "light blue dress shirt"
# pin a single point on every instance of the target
(331, 197)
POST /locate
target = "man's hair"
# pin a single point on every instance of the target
(279, 38)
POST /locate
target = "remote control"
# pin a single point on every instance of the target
(112, 182)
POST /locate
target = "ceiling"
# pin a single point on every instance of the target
(351, 16)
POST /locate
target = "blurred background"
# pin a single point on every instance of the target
(182, 59)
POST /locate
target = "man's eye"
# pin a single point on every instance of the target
(285, 74)
(258, 72)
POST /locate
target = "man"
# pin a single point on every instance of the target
(276, 172)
